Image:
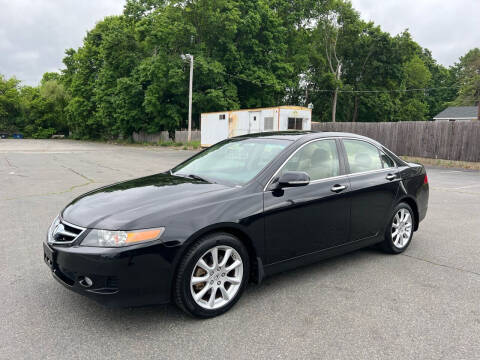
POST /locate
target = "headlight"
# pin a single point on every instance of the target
(52, 227)
(107, 238)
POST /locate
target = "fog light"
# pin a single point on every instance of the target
(85, 281)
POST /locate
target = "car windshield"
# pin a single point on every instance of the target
(234, 162)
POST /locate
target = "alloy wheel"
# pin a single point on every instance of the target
(216, 277)
(402, 225)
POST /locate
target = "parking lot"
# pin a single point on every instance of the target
(423, 304)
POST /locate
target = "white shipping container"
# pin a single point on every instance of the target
(219, 126)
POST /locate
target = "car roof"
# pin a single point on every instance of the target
(284, 135)
(305, 135)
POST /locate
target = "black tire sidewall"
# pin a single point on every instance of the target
(388, 243)
(188, 263)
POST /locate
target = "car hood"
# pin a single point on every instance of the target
(136, 204)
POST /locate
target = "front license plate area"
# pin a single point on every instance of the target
(49, 256)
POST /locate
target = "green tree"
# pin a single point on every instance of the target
(442, 86)
(43, 109)
(339, 28)
(128, 75)
(9, 104)
(83, 67)
(416, 76)
(467, 73)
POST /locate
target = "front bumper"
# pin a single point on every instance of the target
(130, 276)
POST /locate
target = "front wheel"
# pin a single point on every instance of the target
(212, 275)
(399, 232)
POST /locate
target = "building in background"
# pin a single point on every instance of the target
(463, 113)
(218, 126)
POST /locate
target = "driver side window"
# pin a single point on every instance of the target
(319, 159)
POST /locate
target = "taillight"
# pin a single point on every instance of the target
(425, 179)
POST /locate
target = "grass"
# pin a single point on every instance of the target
(192, 145)
(443, 163)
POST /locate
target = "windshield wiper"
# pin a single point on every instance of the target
(192, 176)
(197, 177)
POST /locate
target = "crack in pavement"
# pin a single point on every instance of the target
(49, 193)
(79, 174)
(89, 181)
(105, 167)
(9, 163)
(442, 265)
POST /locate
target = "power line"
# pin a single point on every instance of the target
(385, 90)
(258, 83)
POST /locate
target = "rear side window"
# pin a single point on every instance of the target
(363, 156)
(387, 162)
(319, 159)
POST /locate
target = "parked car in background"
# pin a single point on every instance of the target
(243, 209)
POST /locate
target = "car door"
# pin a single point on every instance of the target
(374, 183)
(306, 219)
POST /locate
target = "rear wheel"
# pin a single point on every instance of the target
(399, 232)
(212, 275)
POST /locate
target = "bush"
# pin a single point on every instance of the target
(43, 133)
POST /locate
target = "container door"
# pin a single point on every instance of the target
(254, 122)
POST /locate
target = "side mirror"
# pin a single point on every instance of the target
(293, 179)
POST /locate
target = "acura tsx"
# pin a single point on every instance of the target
(243, 209)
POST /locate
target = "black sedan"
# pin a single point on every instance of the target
(243, 209)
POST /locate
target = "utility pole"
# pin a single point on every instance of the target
(190, 90)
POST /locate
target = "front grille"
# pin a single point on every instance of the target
(65, 233)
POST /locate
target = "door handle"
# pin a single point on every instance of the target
(338, 188)
(391, 177)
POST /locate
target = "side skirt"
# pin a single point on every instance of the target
(314, 257)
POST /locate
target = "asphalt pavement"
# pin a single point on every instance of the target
(423, 304)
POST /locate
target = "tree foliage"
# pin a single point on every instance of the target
(9, 103)
(129, 74)
(35, 111)
(467, 73)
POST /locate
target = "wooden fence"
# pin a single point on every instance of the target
(449, 140)
(180, 136)
(455, 140)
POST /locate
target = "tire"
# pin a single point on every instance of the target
(402, 217)
(226, 285)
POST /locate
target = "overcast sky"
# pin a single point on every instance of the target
(35, 33)
(449, 28)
